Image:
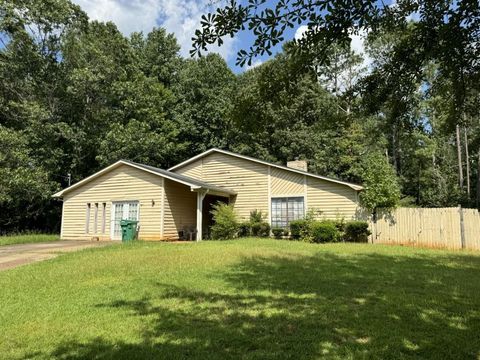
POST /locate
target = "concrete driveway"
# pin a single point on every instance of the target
(15, 255)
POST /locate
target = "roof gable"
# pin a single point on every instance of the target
(185, 180)
(210, 151)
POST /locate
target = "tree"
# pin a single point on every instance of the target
(144, 130)
(158, 55)
(381, 186)
(204, 91)
(280, 114)
(447, 31)
(24, 185)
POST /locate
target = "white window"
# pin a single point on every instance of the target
(286, 209)
(104, 214)
(87, 219)
(125, 210)
(95, 219)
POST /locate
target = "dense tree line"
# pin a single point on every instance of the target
(76, 95)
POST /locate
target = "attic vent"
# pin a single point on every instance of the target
(298, 164)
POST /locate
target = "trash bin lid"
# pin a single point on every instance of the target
(128, 222)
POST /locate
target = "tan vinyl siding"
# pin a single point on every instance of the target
(194, 170)
(248, 179)
(180, 209)
(123, 183)
(333, 200)
(286, 182)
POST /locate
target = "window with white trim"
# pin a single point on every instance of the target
(87, 220)
(95, 219)
(286, 209)
(104, 214)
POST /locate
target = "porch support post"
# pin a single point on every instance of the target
(200, 196)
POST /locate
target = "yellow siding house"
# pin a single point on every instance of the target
(176, 203)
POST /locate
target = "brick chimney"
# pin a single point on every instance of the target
(298, 164)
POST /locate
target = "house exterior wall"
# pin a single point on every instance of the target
(331, 199)
(248, 179)
(193, 170)
(285, 182)
(257, 183)
(123, 183)
(180, 209)
(167, 207)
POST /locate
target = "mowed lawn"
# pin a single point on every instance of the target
(249, 298)
(27, 238)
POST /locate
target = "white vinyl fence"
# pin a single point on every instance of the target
(449, 228)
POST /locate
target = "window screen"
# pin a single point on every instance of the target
(285, 210)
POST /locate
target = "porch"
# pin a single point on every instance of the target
(187, 211)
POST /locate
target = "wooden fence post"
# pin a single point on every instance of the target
(374, 226)
(462, 227)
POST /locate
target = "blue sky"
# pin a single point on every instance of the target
(180, 17)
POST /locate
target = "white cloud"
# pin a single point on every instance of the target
(128, 15)
(358, 46)
(181, 17)
(255, 63)
(300, 31)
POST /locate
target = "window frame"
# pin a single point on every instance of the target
(282, 204)
(87, 219)
(104, 214)
(95, 219)
(125, 214)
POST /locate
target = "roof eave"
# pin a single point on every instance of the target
(60, 193)
(214, 190)
(87, 179)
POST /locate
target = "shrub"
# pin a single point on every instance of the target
(225, 222)
(298, 228)
(258, 227)
(264, 229)
(325, 231)
(357, 231)
(261, 229)
(244, 229)
(278, 232)
(256, 216)
(340, 224)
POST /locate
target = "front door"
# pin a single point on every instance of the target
(125, 210)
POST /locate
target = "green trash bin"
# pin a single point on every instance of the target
(129, 229)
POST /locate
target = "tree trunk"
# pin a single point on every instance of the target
(395, 149)
(459, 155)
(467, 160)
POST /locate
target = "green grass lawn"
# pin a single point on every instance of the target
(27, 238)
(251, 299)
